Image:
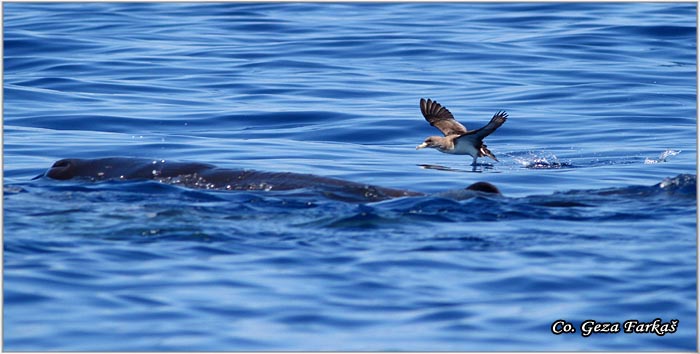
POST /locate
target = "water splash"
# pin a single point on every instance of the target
(662, 157)
(540, 160)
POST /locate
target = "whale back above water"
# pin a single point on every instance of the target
(121, 168)
(207, 176)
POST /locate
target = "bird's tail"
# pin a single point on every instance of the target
(483, 151)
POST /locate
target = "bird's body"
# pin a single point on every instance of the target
(464, 146)
(457, 139)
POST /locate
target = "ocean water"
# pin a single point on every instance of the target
(597, 166)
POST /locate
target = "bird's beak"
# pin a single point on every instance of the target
(424, 145)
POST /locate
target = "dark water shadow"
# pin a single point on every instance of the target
(476, 169)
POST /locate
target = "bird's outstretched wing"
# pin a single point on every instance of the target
(440, 117)
(497, 120)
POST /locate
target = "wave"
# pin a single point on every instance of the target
(313, 207)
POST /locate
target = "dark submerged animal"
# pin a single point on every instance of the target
(206, 176)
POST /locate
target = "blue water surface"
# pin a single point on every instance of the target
(597, 165)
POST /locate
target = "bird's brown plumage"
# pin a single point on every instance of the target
(441, 118)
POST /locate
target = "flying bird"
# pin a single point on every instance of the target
(457, 140)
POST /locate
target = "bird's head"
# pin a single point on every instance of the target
(434, 142)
